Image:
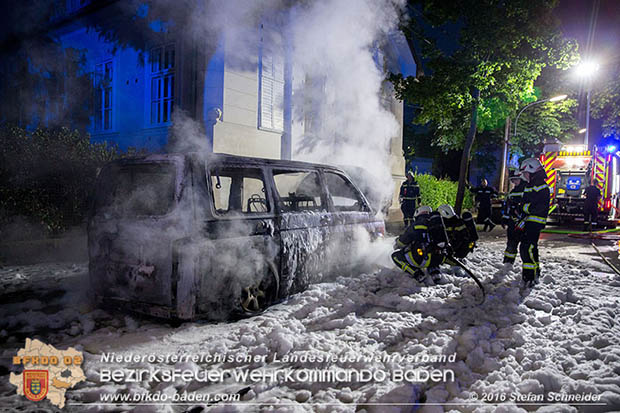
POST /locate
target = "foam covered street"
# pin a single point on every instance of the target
(376, 336)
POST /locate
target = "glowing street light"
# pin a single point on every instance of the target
(586, 70)
(556, 98)
(553, 99)
(582, 131)
(502, 175)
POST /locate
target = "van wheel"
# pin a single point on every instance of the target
(257, 297)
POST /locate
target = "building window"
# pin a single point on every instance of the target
(162, 84)
(104, 76)
(271, 71)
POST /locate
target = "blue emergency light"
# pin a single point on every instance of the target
(611, 148)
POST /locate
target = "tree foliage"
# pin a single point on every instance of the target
(47, 175)
(498, 49)
(42, 82)
(542, 123)
(606, 98)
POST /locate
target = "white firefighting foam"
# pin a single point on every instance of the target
(560, 341)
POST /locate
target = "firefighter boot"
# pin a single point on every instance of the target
(490, 224)
(527, 281)
(435, 275)
(419, 275)
(508, 262)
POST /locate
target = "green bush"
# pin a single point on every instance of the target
(47, 175)
(435, 191)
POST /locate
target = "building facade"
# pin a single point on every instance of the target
(231, 104)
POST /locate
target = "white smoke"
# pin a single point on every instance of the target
(341, 112)
(338, 84)
(337, 43)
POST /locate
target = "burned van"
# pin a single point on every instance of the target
(190, 236)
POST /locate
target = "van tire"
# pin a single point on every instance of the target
(254, 299)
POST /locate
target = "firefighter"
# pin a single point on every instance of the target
(423, 245)
(534, 211)
(461, 231)
(512, 210)
(409, 198)
(484, 195)
(590, 207)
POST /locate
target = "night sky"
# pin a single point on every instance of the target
(595, 24)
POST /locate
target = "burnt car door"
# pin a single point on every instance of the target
(352, 223)
(139, 208)
(236, 254)
(303, 221)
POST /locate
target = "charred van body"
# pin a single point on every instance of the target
(187, 236)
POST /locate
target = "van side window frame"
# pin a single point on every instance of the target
(364, 206)
(215, 170)
(177, 192)
(291, 169)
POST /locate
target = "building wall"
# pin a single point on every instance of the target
(130, 89)
(238, 130)
(227, 86)
(397, 162)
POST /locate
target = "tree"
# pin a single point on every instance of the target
(496, 50)
(547, 122)
(606, 99)
(37, 71)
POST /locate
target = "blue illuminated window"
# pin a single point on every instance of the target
(104, 82)
(162, 84)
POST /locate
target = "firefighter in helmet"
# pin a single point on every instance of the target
(409, 198)
(534, 212)
(423, 245)
(461, 230)
(511, 215)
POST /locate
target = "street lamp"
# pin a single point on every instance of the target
(586, 71)
(553, 99)
(502, 176)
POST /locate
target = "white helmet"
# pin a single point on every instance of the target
(518, 175)
(423, 209)
(446, 211)
(531, 165)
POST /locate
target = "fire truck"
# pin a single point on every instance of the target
(572, 168)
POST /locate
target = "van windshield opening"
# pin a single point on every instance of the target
(136, 190)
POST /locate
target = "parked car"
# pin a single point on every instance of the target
(188, 236)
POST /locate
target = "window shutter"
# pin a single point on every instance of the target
(272, 86)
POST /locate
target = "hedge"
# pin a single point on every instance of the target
(47, 176)
(435, 192)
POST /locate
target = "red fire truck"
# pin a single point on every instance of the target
(572, 168)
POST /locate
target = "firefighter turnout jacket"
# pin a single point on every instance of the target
(422, 245)
(510, 218)
(462, 234)
(536, 197)
(535, 209)
(484, 195)
(513, 203)
(410, 192)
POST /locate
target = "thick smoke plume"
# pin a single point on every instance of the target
(335, 45)
(340, 99)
